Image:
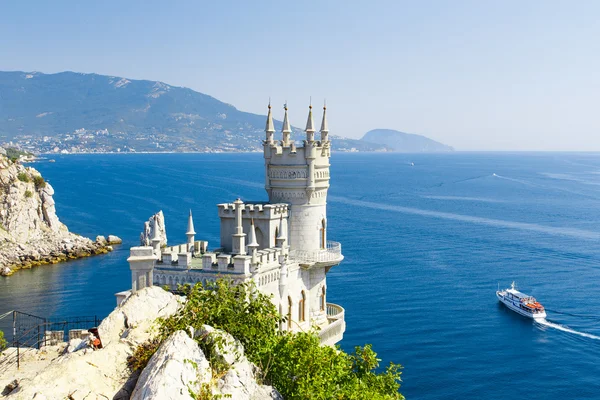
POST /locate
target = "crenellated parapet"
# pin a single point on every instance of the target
(254, 210)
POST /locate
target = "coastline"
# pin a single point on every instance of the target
(17, 256)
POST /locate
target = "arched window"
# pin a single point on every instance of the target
(275, 237)
(323, 244)
(322, 299)
(289, 315)
(301, 308)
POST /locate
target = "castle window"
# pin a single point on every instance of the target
(322, 299)
(289, 315)
(276, 234)
(301, 308)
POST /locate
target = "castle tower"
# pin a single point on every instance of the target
(300, 177)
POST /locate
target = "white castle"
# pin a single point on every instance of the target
(281, 245)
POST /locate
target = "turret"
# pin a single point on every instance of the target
(324, 127)
(270, 128)
(239, 237)
(310, 128)
(253, 245)
(286, 130)
(190, 233)
(141, 262)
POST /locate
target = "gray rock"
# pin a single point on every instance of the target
(157, 221)
(138, 310)
(177, 367)
(76, 345)
(240, 380)
(112, 239)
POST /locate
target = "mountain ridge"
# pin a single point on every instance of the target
(403, 142)
(74, 112)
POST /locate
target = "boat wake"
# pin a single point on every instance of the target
(566, 329)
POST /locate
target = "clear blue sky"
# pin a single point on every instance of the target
(478, 75)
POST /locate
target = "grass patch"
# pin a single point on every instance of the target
(39, 182)
(23, 177)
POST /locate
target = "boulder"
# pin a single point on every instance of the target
(100, 239)
(139, 310)
(76, 344)
(240, 380)
(177, 367)
(112, 239)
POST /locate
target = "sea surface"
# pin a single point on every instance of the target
(426, 247)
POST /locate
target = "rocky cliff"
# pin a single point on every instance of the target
(30, 231)
(178, 368)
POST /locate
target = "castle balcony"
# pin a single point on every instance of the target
(333, 332)
(328, 257)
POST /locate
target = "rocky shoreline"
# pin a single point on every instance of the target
(14, 257)
(78, 370)
(30, 231)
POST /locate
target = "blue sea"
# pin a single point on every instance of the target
(425, 247)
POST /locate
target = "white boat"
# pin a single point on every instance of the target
(521, 303)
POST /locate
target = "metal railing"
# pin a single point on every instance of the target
(31, 332)
(331, 253)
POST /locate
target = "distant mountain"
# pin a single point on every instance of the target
(404, 142)
(79, 112)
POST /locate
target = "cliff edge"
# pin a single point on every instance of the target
(30, 232)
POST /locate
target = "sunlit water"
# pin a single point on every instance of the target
(425, 248)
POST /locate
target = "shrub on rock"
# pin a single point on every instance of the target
(294, 363)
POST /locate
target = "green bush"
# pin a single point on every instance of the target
(28, 194)
(3, 343)
(39, 182)
(23, 177)
(294, 363)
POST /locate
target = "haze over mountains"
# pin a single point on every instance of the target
(73, 112)
(404, 142)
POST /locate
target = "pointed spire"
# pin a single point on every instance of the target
(270, 128)
(310, 126)
(286, 130)
(190, 230)
(253, 242)
(324, 125)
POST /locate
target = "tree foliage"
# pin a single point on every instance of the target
(294, 363)
(3, 343)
